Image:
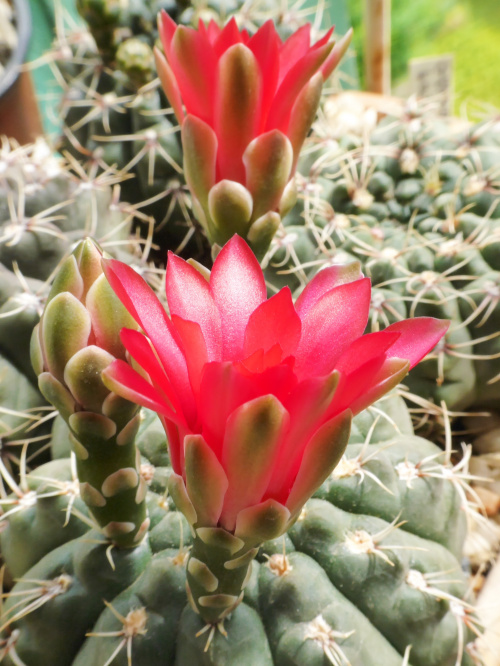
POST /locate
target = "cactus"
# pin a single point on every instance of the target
(415, 199)
(362, 575)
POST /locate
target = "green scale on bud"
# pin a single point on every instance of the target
(77, 338)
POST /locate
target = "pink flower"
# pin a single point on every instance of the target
(256, 394)
(249, 103)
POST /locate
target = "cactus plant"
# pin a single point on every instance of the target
(362, 575)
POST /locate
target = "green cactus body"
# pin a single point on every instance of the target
(362, 575)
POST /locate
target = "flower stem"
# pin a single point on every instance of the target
(218, 570)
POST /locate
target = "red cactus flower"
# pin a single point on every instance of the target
(256, 394)
(249, 103)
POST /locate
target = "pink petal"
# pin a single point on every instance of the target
(292, 84)
(325, 281)
(356, 384)
(277, 380)
(336, 55)
(166, 28)
(324, 39)
(418, 337)
(141, 351)
(306, 403)
(174, 439)
(251, 443)
(389, 376)
(265, 45)
(142, 303)
(303, 114)
(366, 348)
(189, 297)
(213, 31)
(238, 288)
(274, 322)
(295, 48)
(229, 36)
(169, 84)
(321, 455)
(222, 389)
(194, 348)
(193, 62)
(129, 384)
(331, 325)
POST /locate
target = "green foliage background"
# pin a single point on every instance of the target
(470, 29)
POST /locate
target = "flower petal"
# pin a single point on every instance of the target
(143, 304)
(222, 390)
(206, 481)
(321, 455)
(268, 163)
(303, 114)
(199, 145)
(169, 84)
(331, 325)
(418, 337)
(336, 55)
(296, 78)
(195, 349)
(166, 28)
(251, 443)
(265, 45)
(237, 109)
(325, 281)
(393, 371)
(229, 36)
(274, 322)
(294, 49)
(238, 287)
(141, 351)
(366, 348)
(307, 404)
(189, 297)
(193, 61)
(129, 384)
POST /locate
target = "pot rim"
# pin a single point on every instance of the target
(23, 25)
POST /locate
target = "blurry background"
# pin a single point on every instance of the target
(468, 29)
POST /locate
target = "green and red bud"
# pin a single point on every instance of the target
(245, 105)
(78, 337)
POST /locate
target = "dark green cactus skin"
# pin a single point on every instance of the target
(329, 594)
(417, 202)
